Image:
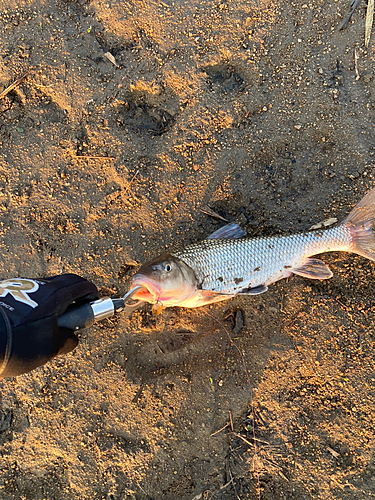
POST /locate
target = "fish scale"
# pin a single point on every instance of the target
(230, 266)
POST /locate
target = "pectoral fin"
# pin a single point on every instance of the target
(314, 269)
(254, 291)
(230, 231)
(205, 297)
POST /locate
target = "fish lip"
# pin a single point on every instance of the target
(153, 290)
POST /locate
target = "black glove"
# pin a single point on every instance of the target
(29, 311)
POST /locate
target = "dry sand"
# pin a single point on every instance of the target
(255, 109)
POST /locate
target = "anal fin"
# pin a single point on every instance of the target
(314, 269)
(210, 297)
(254, 291)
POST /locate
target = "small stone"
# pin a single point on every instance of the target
(367, 78)
(239, 322)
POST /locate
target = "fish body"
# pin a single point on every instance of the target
(225, 264)
(233, 266)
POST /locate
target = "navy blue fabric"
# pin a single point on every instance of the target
(53, 297)
(5, 331)
(36, 336)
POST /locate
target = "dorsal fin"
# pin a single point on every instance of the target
(230, 231)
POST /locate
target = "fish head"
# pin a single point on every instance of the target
(165, 280)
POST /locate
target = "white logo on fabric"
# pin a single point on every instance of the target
(19, 288)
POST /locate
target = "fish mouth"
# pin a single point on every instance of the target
(149, 291)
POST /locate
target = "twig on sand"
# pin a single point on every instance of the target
(247, 441)
(355, 4)
(282, 475)
(131, 181)
(369, 21)
(162, 4)
(356, 65)
(13, 85)
(234, 484)
(230, 420)
(81, 157)
(140, 487)
(138, 395)
(208, 211)
(333, 452)
(227, 484)
(217, 432)
(331, 220)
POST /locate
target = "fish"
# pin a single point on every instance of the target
(228, 263)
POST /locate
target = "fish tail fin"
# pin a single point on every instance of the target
(360, 223)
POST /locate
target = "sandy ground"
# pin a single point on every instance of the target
(253, 108)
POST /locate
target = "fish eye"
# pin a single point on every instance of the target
(167, 267)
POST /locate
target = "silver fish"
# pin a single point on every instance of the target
(227, 264)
